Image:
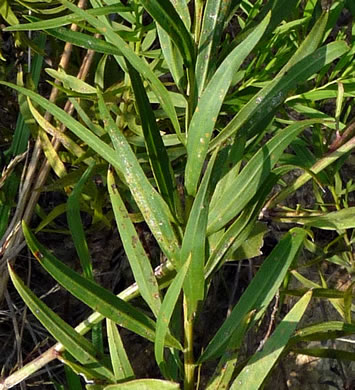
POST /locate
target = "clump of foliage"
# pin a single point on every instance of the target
(193, 114)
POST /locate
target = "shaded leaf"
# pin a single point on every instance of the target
(75, 344)
(93, 295)
(260, 291)
(261, 363)
(138, 260)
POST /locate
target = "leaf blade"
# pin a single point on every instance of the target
(166, 312)
(93, 295)
(139, 261)
(270, 97)
(259, 292)
(121, 366)
(205, 116)
(252, 177)
(75, 344)
(260, 364)
(143, 68)
(164, 13)
(155, 211)
(157, 153)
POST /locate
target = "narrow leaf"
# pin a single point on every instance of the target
(319, 166)
(211, 30)
(71, 82)
(93, 295)
(76, 127)
(326, 353)
(138, 260)
(261, 363)
(194, 242)
(227, 364)
(76, 226)
(155, 211)
(67, 19)
(119, 359)
(336, 220)
(260, 291)
(328, 330)
(51, 154)
(75, 344)
(253, 176)
(173, 59)
(166, 312)
(145, 384)
(143, 68)
(164, 13)
(210, 103)
(157, 153)
(270, 97)
(68, 143)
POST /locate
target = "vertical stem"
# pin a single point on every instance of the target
(189, 363)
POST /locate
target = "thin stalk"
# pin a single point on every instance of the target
(189, 361)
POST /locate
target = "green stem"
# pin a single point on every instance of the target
(189, 362)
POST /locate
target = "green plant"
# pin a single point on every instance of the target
(211, 121)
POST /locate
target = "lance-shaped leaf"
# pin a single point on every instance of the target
(138, 260)
(276, 91)
(164, 13)
(270, 97)
(173, 59)
(73, 342)
(326, 353)
(226, 366)
(104, 150)
(93, 295)
(328, 330)
(51, 154)
(86, 372)
(119, 359)
(166, 312)
(209, 105)
(72, 82)
(239, 231)
(260, 291)
(85, 41)
(66, 141)
(252, 177)
(194, 243)
(316, 168)
(142, 67)
(157, 153)
(76, 226)
(261, 363)
(211, 30)
(278, 10)
(336, 220)
(67, 19)
(155, 211)
(145, 384)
